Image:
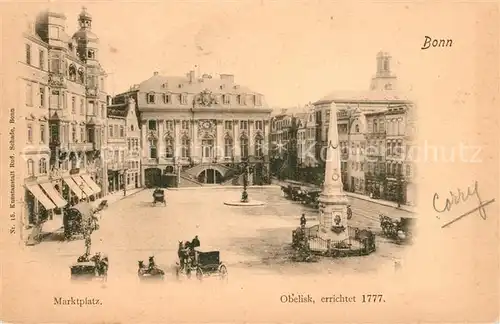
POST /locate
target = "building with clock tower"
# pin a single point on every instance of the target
(198, 130)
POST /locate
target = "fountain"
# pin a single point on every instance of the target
(245, 200)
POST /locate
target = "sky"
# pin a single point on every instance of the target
(294, 52)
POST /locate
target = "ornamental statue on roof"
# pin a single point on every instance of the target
(206, 98)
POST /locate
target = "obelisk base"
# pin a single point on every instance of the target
(333, 217)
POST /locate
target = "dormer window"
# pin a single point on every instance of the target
(241, 99)
(90, 54)
(150, 97)
(165, 85)
(226, 99)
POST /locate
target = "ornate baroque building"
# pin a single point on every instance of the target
(63, 107)
(196, 130)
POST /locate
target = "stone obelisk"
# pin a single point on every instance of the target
(333, 201)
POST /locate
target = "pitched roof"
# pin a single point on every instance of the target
(180, 84)
(364, 96)
(118, 110)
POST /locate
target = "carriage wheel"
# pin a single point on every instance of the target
(199, 273)
(223, 272)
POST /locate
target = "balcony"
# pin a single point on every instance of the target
(77, 147)
(57, 80)
(92, 92)
(116, 166)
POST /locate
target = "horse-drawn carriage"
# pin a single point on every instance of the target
(151, 271)
(90, 268)
(312, 197)
(202, 264)
(399, 230)
(159, 197)
(78, 220)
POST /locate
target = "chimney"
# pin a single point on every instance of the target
(156, 73)
(227, 77)
(191, 76)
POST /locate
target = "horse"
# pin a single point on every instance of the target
(101, 264)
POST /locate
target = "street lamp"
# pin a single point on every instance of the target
(124, 180)
(178, 172)
(246, 170)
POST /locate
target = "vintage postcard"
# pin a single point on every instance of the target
(250, 162)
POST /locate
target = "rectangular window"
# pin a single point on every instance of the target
(244, 124)
(73, 133)
(183, 99)
(55, 65)
(29, 94)
(152, 149)
(82, 134)
(41, 59)
(258, 125)
(166, 98)
(28, 54)
(73, 104)
(115, 130)
(185, 148)
(408, 170)
(110, 131)
(169, 125)
(82, 107)
(228, 125)
(42, 134)
(30, 133)
(152, 125)
(226, 99)
(122, 131)
(42, 96)
(150, 97)
(103, 111)
(185, 125)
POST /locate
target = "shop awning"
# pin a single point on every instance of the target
(94, 186)
(53, 194)
(74, 187)
(83, 185)
(40, 196)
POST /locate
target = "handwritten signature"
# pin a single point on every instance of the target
(458, 197)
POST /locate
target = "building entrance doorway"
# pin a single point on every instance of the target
(210, 176)
(207, 149)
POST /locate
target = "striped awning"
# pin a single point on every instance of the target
(74, 187)
(91, 183)
(40, 196)
(53, 194)
(83, 185)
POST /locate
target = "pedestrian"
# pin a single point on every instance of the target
(195, 242)
(303, 220)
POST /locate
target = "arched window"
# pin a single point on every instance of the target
(258, 146)
(169, 147)
(72, 72)
(42, 166)
(228, 147)
(186, 150)
(31, 171)
(81, 76)
(244, 146)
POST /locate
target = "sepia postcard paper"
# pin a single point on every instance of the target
(249, 161)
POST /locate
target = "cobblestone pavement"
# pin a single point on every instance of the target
(253, 241)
